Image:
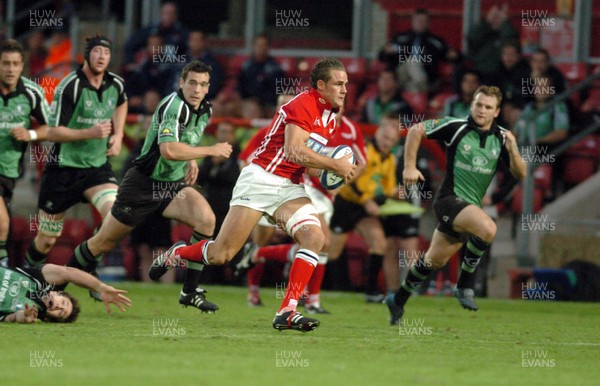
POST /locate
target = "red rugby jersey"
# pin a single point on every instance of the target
(311, 112)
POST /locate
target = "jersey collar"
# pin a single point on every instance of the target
(202, 109)
(19, 89)
(85, 82)
(493, 128)
(322, 102)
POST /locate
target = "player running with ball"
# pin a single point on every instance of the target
(271, 186)
(474, 147)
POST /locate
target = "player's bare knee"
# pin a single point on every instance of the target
(4, 228)
(318, 238)
(487, 231)
(435, 263)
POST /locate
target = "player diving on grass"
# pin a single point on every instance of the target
(28, 294)
(475, 148)
(161, 179)
(271, 186)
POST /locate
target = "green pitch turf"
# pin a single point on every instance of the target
(157, 342)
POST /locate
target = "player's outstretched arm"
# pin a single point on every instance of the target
(411, 175)
(296, 150)
(26, 135)
(28, 315)
(518, 168)
(58, 274)
(179, 151)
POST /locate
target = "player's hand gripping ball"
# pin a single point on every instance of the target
(330, 180)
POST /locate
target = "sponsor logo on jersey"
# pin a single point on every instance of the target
(479, 160)
(317, 123)
(6, 116)
(100, 113)
(166, 132)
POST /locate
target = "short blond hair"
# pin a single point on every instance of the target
(491, 91)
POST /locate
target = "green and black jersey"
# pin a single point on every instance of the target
(174, 120)
(78, 105)
(25, 101)
(472, 156)
(19, 287)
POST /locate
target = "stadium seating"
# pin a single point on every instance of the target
(581, 160)
(288, 64)
(356, 69)
(517, 201)
(305, 66)
(234, 65)
(416, 100)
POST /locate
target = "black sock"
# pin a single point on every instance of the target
(416, 275)
(374, 263)
(194, 270)
(474, 249)
(34, 257)
(82, 258)
(3, 251)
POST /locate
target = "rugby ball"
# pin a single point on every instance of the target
(329, 179)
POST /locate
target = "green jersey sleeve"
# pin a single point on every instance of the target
(39, 106)
(170, 119)
(443, 129)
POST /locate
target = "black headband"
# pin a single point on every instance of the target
(96, 41)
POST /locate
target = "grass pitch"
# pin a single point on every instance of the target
(157, 342)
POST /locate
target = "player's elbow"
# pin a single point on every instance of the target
(167, 152)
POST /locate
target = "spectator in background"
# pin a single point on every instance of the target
(168, 27)
(36, 54)
(388, 99)
(198, 50)
(512, 78)
(217, 177)
(484, 40)
(550, 126)
(541, 65)
(259, 74)
(459, 105)
(416, 55)
(60, 55)
(154, 71)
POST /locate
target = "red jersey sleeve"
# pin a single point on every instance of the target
(297, 112)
